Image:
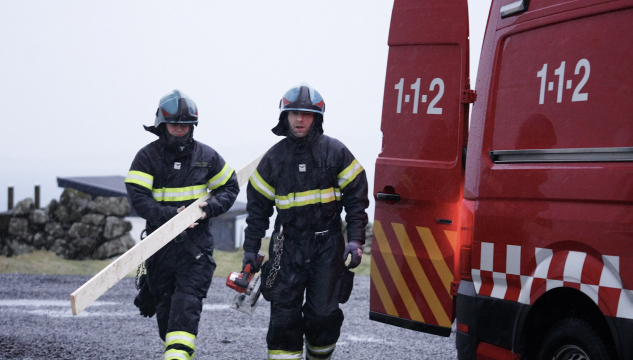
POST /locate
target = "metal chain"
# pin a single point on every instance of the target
(140, 270)
(278, 248)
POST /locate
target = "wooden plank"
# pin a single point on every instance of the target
(118, 269)
(248, 170)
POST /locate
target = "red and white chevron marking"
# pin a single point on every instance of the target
(502, 276)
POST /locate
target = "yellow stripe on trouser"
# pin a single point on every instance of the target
(420, 276)
(174, 354)
(321, 351)
(181, 337)
(394, 270)
(282, 354)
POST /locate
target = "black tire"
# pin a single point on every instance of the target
(573, 339)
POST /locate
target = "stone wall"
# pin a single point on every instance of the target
(75, 227)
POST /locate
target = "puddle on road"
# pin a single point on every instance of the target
(40, 303)
(61, 308)
(215, 307)
(85, 313)
(366, 339)
(52, 308)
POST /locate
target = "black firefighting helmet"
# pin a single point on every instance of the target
(302, 97)
(176, 108)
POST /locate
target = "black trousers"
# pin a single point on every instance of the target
(179, 282)
(313, 267)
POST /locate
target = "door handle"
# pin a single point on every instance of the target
(388, 197)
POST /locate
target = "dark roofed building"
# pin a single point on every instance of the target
(111, 186)
(223, 228)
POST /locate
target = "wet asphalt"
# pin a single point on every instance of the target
(36, 322)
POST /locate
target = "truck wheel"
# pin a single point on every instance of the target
(573, 339)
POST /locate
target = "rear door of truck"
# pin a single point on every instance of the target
(419, 173)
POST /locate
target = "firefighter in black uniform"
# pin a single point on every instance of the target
(309, 177)
(166, 176)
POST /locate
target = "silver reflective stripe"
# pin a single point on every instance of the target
(141, 178)
(176, 355)
(308, 357)
(285, 356)
(349, 174)
(180, 337)
(261, 186)
(321, 350)
(183, 193)
(311, 197)
(227, 173)
(308, 197)
(283, 202)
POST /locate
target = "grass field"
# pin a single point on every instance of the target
(46, 262)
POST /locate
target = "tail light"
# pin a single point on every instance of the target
(465, 251)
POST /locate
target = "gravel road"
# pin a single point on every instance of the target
(36, 323)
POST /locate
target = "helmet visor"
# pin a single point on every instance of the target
(302, 98)
(176, 107)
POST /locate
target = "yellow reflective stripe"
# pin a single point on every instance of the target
(420, 276)
(220, 178)
(453, 238)
(282, 354)
(383, 293)
(436, 257)
(307, 198)
(180, 194)
(310, 357)
(349, 174)
(140, 178)
(262, 186)
(141, 174)
(394, 270)
(181, 337)
(173, 354)
(320, 349)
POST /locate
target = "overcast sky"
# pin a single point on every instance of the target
(79, 78)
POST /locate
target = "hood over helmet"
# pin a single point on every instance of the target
(174, 108)
(302, 97)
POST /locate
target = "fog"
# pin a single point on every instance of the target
(79, 79)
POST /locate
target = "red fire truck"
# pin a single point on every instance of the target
(519, 227)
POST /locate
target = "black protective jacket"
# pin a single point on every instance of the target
(161, 179)
(309, 181)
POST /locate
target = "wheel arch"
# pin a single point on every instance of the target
(555, 305)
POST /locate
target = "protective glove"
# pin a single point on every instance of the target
(353, 248)
(250, 258)
(144, 301)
